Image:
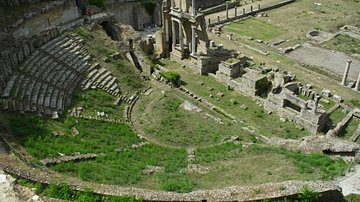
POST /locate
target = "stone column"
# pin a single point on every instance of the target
(218, 18)
(317, 98)
(227, 11)
(243, 11)
(258, 6)
(167, 30)
(193, 8)
(357, 87)
(180, 36)
(343, 82)
(172, 4)
(193, 40)
(251, 8)
(173, 34)
(235, 11)
(209, 21)
(180, 6)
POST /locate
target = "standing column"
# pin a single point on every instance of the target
(173, 34)
(258, 6)
(251, 8)
(218, 18)
(209, 21)
(172, 4)
(235, 11)
(357, 87)
(193, 41)
(193, 8)
(227, 10)
(343, 82)
(243, 11)
(180, 6)
(167, 30)
(180, 36)
(317, 98)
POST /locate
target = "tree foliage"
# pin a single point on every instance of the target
(99, 3)
(149, 6)
(172, 77)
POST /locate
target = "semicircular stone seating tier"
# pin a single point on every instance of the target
(46, 80)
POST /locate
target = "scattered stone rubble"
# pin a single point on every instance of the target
(73, 157)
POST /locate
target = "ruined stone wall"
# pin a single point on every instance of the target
(31, 29)
(207, 3)
(134, 14)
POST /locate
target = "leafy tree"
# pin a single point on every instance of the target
(149, 6)
(99, 3)
(172, 77)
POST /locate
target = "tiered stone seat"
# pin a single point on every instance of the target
(102, 79)
(47, 79)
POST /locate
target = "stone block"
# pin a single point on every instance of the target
(326, 93)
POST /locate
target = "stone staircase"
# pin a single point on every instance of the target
(45, 82)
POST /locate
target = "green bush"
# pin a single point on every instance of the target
(149, 6)
(308, 195)
(171, 76)
(99, 3)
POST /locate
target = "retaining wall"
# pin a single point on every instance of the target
(255, 11)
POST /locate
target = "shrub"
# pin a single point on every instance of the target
(149, 6)
(99, 3)
(171, 76)
(308, 195)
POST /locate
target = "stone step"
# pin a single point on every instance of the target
(9, 86)
(41, 96)
(106, 80)
(53, 42)
(111, 83)
(54, 98)
(32, 59)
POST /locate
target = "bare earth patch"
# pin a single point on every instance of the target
(331, 60)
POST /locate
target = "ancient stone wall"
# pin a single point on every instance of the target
(135, 15)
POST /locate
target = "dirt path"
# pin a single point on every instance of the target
(328, 59)
(351, 182)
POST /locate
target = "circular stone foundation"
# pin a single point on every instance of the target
(319, 35)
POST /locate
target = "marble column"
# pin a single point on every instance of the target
(357, 87)
(243, 11)
(317, 98)
(235, 11)
(193, 40)
(167, 30)
(193, 8)
(172, 3)
(251, 8)
(173, 34)
(209, 21)
(218, 18)
(258, 6)
(227, 11)
(343, 82)
(180, 36)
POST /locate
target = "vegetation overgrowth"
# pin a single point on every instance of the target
(64, 192)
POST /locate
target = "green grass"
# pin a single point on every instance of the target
(254, 117)
(343, 43)
(97, 100)
(256, 29)
(337, 116)
(172, 125)
(350, 129)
